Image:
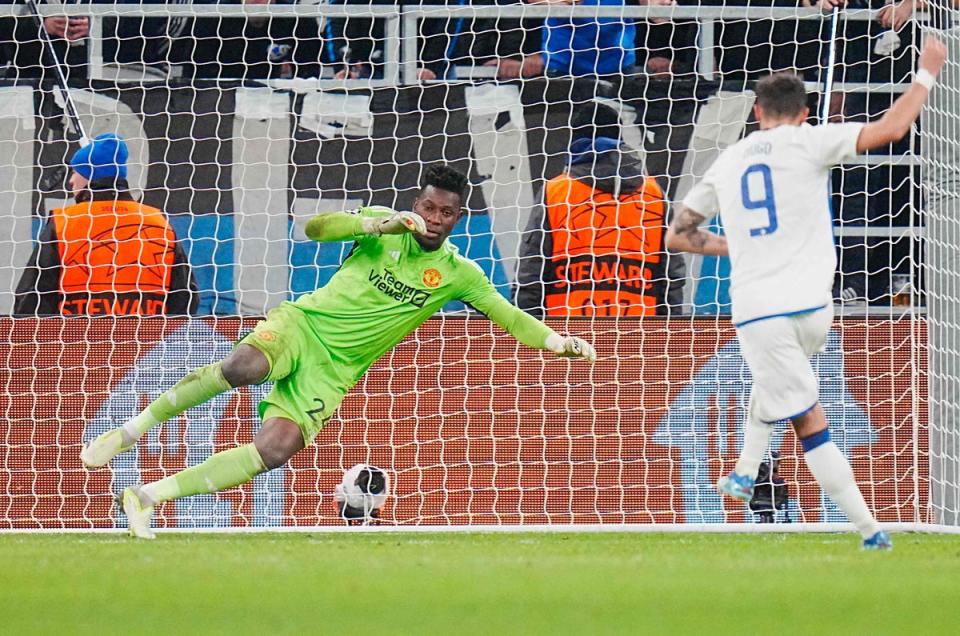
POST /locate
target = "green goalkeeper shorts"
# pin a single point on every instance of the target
(305, 389)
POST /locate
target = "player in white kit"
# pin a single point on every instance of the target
(771, 190)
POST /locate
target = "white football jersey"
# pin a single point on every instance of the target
(772, 190)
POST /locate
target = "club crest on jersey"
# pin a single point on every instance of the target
(432, 278)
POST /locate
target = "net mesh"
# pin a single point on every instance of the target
(242, 122)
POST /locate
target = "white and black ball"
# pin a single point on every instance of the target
(362, 493)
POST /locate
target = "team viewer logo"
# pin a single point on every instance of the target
(395, 288)
(432, 278)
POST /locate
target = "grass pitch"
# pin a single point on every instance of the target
(392, 583)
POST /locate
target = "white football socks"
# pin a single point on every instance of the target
(832, 471)
(756, 438)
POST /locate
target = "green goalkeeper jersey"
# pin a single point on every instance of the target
(387, 286)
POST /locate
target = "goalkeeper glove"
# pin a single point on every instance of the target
(396, 223)
(571, 347)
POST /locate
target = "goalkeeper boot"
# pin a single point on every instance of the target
(879, 541)
(105, 447)
(139, 516)
(736, 486)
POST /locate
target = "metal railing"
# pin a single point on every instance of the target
(400, 44)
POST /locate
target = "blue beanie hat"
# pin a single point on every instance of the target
(104, 157)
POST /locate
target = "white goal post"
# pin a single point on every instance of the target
(941, 190)
(477, 432)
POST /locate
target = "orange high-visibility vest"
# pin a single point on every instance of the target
(116, 258)
(607, 251)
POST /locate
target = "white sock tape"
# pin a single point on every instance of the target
(925, 78)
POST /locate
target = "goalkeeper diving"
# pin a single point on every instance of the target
(402, 269)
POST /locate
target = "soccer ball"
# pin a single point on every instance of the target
(362, 493)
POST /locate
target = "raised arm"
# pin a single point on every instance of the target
(685, 234)
(897, 121)
(369, 221)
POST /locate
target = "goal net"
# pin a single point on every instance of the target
(243, 121)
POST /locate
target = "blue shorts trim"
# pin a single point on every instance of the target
(784, 315)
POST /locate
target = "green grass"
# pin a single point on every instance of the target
(478, 584)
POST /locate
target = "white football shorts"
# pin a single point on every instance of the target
(778, 352)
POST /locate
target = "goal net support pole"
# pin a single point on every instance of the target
(940, 148)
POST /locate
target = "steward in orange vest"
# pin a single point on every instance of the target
(108, 255)
(596, 246)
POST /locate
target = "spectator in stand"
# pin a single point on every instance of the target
(108, 255)
(596, 245)
(214, 47)
(750, 49)
(894, 15)
(567, 47)
(667, 48)
(593, 46)
(135, 48)
(513, 46)
(23, 53)
(356, 44)
(245, 48)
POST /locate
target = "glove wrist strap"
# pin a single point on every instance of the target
(554, 342)
(372, 226)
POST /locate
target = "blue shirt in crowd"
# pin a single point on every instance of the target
(590, 46)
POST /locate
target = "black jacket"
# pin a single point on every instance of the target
(239, 48)
(22, 49)
(443, 43)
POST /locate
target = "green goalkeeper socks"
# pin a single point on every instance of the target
(195, 388)
(219, 472)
